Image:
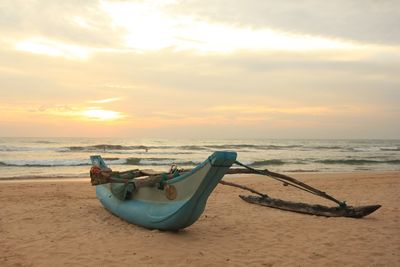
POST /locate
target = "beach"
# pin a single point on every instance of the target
(51, 222)
(167, 98)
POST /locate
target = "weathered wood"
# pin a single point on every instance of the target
(138, 178)
(319, 210)
(148, 181)
(242, 187)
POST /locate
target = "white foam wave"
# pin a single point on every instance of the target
(47, 162)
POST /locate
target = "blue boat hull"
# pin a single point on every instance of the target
(150, 207)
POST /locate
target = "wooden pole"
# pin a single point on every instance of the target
(243, 187)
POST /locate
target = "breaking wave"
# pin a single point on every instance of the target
(159, 162)
(271, 162)
(390, 148)
(110, 161)
(44, 163)
(111, 147)
(357, 161)
(102, 147)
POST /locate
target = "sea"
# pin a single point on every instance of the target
(69, 157)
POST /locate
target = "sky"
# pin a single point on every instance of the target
(200, 69)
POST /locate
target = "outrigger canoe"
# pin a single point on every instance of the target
(175, 200)
(174, 204)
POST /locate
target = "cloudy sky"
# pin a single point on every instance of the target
(200, 69)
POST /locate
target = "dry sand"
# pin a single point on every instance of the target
(51, 223)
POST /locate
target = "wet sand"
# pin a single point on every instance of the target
(61, 223)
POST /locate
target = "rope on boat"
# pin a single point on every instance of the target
(287, 180)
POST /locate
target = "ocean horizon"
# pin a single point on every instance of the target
(60, 157)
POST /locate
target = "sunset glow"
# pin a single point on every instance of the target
(199, 69)
(101, 114)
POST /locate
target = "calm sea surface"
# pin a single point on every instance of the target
(69, 157)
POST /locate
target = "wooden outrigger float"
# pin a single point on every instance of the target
(175, 200)
(319, 210)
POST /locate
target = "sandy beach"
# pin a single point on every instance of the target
(61, 223)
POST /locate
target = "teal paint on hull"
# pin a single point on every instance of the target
(150, 210)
